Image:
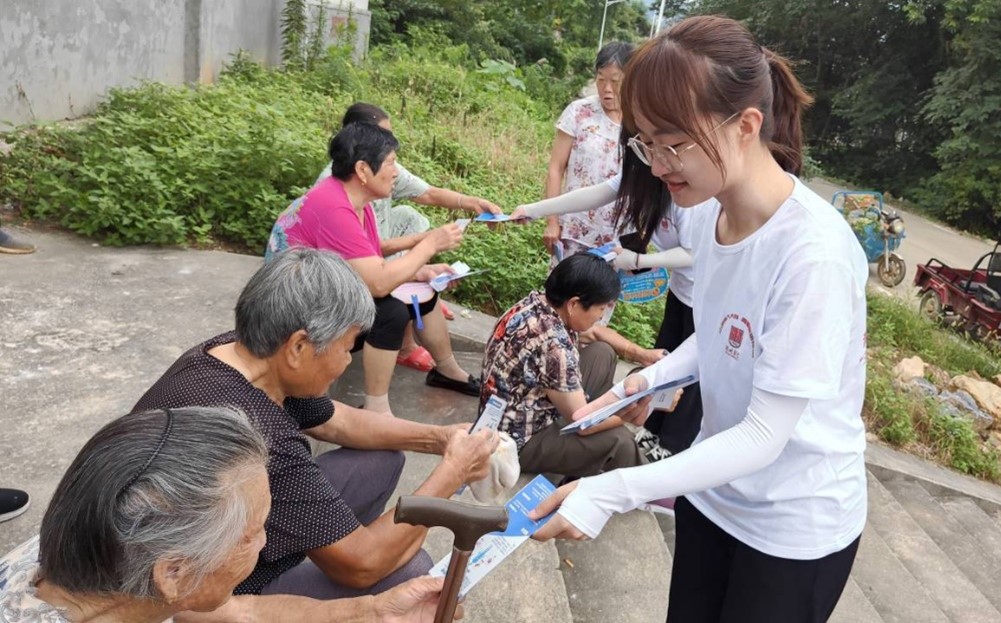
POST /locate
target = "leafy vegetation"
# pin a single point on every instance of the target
(908, 94)
(560, 33)
(914, 422)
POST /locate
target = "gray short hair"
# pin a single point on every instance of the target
(116, 513)
(302, 288)
(614, 54)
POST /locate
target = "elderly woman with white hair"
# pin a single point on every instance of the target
(296, 322)
(163, 512)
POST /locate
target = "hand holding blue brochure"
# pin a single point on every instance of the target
(604, 413)
(493, 548)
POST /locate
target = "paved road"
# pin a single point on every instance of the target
(925, 239)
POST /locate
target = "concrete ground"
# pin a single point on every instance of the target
(84, 330)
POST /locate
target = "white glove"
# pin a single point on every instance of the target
(503, 475)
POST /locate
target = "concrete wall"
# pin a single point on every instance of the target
(59, 57)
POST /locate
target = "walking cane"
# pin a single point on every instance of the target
(467, 522)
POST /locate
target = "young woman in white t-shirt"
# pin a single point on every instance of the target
(774, 487)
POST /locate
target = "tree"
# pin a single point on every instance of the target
(870, 66)
(966, 102)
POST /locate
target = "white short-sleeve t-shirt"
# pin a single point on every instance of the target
(784, 310)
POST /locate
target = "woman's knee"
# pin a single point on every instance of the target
(391, 318)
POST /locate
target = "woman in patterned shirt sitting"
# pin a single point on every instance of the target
(534, 364)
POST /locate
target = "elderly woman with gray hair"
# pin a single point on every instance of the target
(296, 321)
(163, 512)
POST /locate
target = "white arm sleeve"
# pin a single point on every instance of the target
(677, 365)
(751, 445)
(671, 258)
(580, 200)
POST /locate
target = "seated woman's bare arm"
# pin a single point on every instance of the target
(403, 243)
(382, 276)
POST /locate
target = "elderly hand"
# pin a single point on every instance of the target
(411, 602)
(446, 433)
(445, 238)
(646, 357)
(557, 527)
(552, 234)
(430, 271)
(470, 454)
(480, 205)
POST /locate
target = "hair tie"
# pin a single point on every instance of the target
(156, 451)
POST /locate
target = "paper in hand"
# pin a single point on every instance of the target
(604, 413)
(459, 271)
(490, 217)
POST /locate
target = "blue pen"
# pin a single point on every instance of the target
(417, 311)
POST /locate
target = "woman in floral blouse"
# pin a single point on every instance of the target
(533, 363)
(586, 152)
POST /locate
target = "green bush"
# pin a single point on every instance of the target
(168, 165)
(894, 324)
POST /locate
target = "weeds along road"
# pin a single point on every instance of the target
(925, 240)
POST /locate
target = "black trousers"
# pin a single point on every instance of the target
(677, 429)
(718, 579)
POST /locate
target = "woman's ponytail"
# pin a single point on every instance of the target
(789, 99)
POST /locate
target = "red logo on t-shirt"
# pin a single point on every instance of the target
(739, 327)
(736, 336)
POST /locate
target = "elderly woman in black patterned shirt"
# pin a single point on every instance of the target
(296, 322)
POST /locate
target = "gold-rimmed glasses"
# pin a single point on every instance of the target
(667, 156)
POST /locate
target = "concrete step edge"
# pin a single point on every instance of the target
(953, 593)
(854, 606)
(895, 594)
(623, 575)
(961, 545)
(887, 463)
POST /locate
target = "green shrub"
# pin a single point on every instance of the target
(168, 165)
(896, 325)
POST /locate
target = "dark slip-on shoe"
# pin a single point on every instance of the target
(470, 387)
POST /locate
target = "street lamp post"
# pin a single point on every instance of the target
(604, 16)
(655, 27)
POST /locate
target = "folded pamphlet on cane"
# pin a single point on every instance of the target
(604, 413)
(493, 548)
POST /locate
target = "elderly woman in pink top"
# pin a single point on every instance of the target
(336, 215)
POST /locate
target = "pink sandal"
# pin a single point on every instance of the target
(418, 359)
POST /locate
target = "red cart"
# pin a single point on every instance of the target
(966, 299)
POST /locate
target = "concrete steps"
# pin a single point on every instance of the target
(623, 575)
